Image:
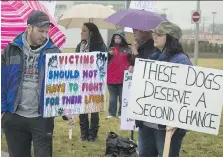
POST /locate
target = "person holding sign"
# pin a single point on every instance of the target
(119, 59)
(91, 40)
(23, 71)
(152, 136)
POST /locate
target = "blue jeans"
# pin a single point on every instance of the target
(151, 142)
(115, 91)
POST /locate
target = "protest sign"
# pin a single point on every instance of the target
(177, 95)
(126, 123)
(75, 83)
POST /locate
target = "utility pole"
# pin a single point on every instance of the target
(164, 10)
(127, 4)
(204, 18)
(213, 22)
(203, 23)
(196, 38)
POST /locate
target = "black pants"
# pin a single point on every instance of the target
(84, 124)
(21, 131)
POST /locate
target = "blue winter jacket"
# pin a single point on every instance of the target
(180, 58)
(12, 73)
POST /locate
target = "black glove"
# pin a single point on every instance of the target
(139, 123)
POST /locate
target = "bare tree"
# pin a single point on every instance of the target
(218, 28)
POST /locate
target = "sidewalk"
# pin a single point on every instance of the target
(4, 154)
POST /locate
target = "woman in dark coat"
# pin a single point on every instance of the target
(152, 136)
(91, 40)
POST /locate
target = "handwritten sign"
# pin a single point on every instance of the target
(177, 95)
(75, 83)
(126, 123)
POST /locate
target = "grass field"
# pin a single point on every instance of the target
(194, 144)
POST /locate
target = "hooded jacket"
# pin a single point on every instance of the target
(119, 61)
(12, 67)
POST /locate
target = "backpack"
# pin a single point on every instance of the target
(119, 147)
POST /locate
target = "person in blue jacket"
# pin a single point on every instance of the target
(22, 89)
(152, 136)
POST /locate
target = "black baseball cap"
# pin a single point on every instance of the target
(38, 18)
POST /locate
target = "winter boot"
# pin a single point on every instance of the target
(93, 133)
(84, 126)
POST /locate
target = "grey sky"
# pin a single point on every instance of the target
(179, 12)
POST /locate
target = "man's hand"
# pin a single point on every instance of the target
(131, 69)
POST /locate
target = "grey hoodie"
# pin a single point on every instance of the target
(28, 105)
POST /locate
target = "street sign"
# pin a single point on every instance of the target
(195, 17)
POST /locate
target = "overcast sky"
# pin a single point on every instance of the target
(179, 12)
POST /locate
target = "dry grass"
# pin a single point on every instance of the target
(194, 144)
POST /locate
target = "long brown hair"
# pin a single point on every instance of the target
(95, 33)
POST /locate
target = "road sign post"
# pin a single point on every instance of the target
(195, 19)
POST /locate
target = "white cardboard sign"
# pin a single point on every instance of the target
(177, 95)
(75, 83)
(126, 123)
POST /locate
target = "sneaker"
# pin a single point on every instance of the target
(109, 117)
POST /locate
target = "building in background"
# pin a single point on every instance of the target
(50, 5)
(216, 39)
(116, 5)
(61, 6)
